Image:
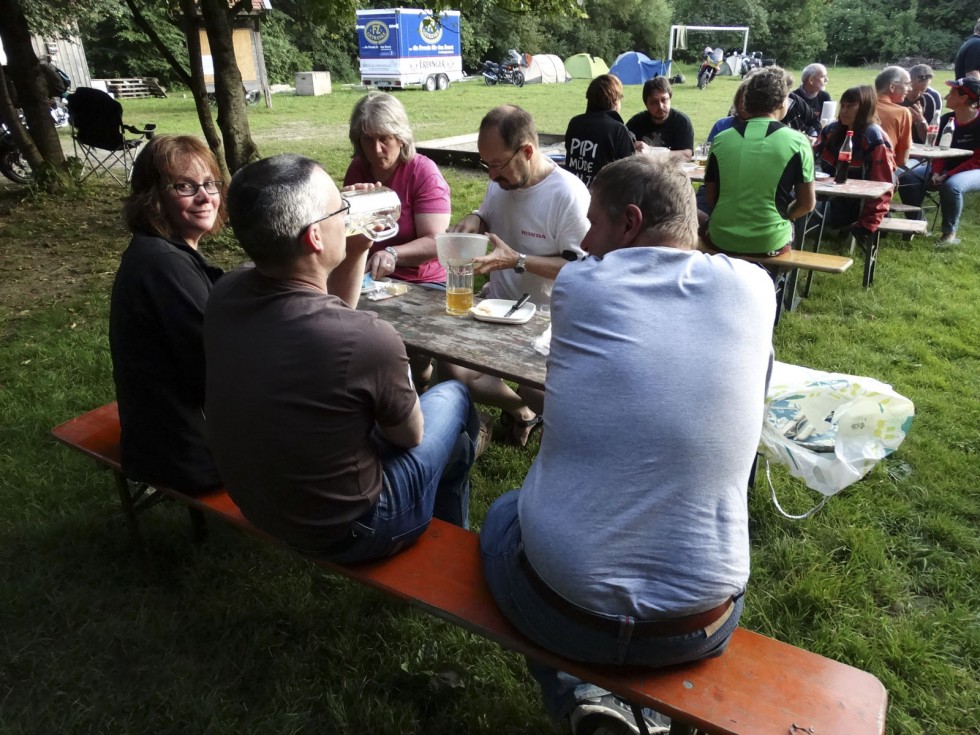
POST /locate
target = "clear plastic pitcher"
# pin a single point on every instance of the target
(373, 213)
(456, 248)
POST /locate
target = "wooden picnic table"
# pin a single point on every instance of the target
(503, 350)
(920, 152)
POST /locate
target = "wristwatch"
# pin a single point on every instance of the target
(392, 252)
(521, 263)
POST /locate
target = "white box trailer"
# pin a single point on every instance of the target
(407, 47)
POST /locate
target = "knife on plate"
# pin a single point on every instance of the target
(520, 302)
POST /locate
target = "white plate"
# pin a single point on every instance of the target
(369, 285)
(820, 176)
(493, 310)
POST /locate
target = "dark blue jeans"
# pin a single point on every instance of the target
(430, 480)
(518, 598)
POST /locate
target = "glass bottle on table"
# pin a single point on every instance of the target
(946, 139)
(844, 159)
(932, 131)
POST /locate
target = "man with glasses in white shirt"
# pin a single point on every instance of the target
(535, 215)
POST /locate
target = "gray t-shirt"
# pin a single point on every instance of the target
(636, 502)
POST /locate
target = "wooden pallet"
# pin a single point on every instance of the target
(134, 87)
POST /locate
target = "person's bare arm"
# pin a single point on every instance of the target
(414, 252)
(407, 434)
(503, 257)
(806, 200)
(345, 280)
(471, 223)
(711, 189)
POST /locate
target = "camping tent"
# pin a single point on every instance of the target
(632, 67)
(583, 66)
(546, 69)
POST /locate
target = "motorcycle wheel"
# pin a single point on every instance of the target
(490, 81)
(518, 79)
(703, 77)
(15, 167)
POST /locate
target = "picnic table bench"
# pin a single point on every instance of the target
(760, 686)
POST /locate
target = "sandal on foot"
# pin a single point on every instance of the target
(518, 431)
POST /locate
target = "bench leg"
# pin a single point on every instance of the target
(199, 527)
(870, 258)
(129, 510)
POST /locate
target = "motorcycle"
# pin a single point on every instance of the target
(749, 63)
(507, 71)
(13, 165)
(710, 65)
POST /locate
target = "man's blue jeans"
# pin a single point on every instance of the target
(950, 193)
(500, 547)
(430, 480)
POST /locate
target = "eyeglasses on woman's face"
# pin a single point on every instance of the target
(187, 189)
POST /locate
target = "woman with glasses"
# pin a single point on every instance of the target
(872, 159)
(384, 151)
(157, 312)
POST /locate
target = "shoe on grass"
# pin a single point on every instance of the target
(947, 240)
(486, 433)
(608, 715)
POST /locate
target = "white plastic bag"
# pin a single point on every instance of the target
(830, 429)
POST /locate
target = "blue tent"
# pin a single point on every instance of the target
(632, 67)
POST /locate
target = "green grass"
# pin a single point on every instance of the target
(236, 636)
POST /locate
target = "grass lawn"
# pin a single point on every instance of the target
(236, 636)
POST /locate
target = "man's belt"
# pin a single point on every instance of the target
(612, 626)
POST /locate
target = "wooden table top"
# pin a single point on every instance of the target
(920, 153)
(851, 189)
(503, 350)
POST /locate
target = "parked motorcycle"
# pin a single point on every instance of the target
(710, 65)
(750, 62)
(13, 165)
(507, 71)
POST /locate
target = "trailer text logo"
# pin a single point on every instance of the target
(376, 32)
(430, 29)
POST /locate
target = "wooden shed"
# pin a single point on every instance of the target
(68, 54)
(247, 40)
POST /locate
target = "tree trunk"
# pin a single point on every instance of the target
(188, 10)
(194, 80)
(43, 144)
(228, 88)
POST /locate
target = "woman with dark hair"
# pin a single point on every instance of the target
(872, 159)
(384, 151)
(598, 136)
(157, 313)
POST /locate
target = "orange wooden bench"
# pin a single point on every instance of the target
(760, 686)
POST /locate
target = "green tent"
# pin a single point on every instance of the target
(583, 66)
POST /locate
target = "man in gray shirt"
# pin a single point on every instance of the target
(628, 542)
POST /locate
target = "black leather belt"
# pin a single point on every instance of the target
(612, 626)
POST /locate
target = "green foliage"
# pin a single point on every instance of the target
(871, 31)
(796, 31)
(116, 47)
(282, 58)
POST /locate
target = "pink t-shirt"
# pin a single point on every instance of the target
(422, 190)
